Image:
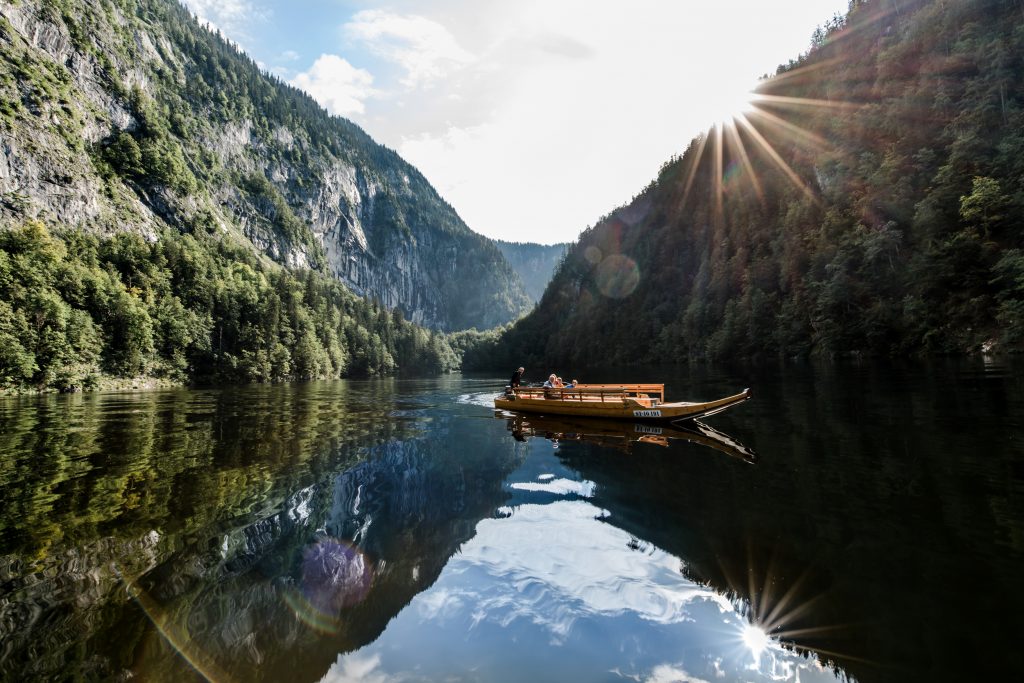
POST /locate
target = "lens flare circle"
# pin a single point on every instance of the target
(617, 276)
(593, 255)
(334, 576)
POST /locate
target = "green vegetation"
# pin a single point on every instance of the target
(887, 224)
(76, 308)
(171, 121)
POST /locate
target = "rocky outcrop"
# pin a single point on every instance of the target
(79, 74)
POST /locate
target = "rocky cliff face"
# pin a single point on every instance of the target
(534, 263)
(124, 115)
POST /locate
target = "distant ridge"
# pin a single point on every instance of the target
(534, 263)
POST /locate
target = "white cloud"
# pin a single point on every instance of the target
(424, 49)
(570, 106)
(230, 16)
(358, 668)
(665, 673)
(337, 85)
(289, 55)
(537, 117)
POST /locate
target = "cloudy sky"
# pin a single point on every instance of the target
(533, 118)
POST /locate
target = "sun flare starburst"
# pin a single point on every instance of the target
(756, 130)
(780, 613)
(773, 130)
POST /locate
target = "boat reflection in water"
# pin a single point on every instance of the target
(622, 435)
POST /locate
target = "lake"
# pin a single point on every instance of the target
(854, 521)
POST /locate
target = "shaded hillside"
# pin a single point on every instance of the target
(121, 115)
(534, 263)
(870, 203)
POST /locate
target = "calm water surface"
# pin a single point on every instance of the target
(850, 522)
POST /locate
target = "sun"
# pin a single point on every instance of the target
(755, 639)
(726, 101)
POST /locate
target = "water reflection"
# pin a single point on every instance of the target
(622, 435)
(879, 529)
(392, 530)
(551, 589)
(274, 528)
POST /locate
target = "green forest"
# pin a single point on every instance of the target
(201, 263)
(77, 309)
(870, 204)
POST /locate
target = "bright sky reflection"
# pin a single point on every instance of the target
(557, 592)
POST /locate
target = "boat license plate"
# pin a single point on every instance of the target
(646, 413)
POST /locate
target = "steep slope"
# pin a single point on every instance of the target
(122, 115)
(870, 203)
(534, 263)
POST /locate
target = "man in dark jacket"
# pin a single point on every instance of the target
(517, 378)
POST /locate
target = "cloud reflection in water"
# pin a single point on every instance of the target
(556, 592)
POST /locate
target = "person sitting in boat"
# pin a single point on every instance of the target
(572, 385)
(551, 385)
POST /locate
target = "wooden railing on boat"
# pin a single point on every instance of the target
(648, 394)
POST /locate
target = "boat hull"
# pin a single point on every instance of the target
(624, 409)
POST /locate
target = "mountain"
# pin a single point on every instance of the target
(123, 115)
(869, 203)
(534, 263)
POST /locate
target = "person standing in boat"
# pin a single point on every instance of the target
(513, 384)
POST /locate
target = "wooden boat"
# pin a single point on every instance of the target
(621, 435)
(637, 402)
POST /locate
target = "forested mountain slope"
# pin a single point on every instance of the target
(168, 213)
(872, 202)
(534, 263)
(127, 115)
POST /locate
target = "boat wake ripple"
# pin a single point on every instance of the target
(478, 398)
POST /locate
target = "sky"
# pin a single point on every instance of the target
(533, 118)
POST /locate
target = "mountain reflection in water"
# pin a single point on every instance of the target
(550, 590)
(394, 530)
(279, 526)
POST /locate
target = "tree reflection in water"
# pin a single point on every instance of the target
(263, 533)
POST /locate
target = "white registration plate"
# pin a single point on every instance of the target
(646, 413)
